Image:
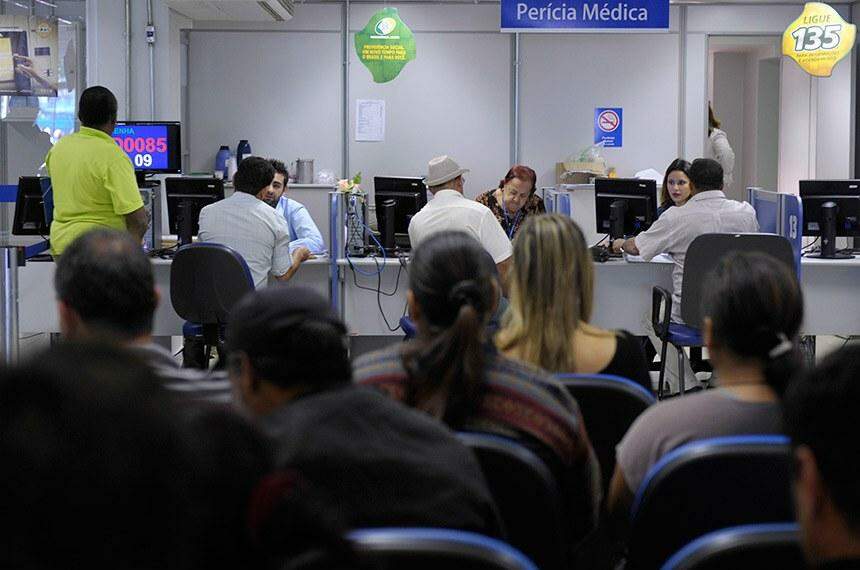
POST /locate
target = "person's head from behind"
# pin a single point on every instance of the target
(97, 109)
(550, 255)
(285, 343)
(453, 291)
(820, 415)
(254, 176)
(676, 184)
(705, 174)
(517, 187)
(105, 288)
(443, 173)
(753, 308)
(101, 471)
(279, 184)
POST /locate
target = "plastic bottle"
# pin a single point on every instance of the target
(243, 149)
(221, 159)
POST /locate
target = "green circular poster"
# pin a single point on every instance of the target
(385, 45)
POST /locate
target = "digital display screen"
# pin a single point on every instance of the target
(146, 145)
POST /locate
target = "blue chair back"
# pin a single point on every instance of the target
(526, 495)
(206, 281)
(708, 485)
(431, 548)
(706, 252)
(748, 547)
(608, 404)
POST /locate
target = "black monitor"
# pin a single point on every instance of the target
(831, 209)
(185, 198)
(153, 147)
(397, 199)
(30, 216)
(624, 206)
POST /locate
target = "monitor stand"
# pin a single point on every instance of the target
(142, 182)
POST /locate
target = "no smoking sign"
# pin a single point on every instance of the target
(608, 126)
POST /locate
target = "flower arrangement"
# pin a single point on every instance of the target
(350, 185)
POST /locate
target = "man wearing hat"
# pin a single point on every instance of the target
(381, 463)
(449, 210)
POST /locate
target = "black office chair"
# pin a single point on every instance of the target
(431, 548)
(608, 404)
(749, 547)
(206, 280)
(526, 495)
(708, 485)
(703, 255)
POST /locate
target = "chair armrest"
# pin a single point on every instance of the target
(660, 323)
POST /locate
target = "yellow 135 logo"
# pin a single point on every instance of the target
(818, 39)
(815, 37)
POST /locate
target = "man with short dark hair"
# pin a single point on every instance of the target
(247, 224)
(303, 231)
(820, 414)
(382, 463)
(92, 178)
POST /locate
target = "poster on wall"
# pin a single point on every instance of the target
(584, 15)
(818, 39)
(385, 45)
(608, 127)
(369, 120)
(29, 63)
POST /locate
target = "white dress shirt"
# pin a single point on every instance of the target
(704, 213)
(254, 229)
(451, 211)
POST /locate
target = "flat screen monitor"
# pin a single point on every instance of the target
(152, 146)
(624, 206)
(409, 195)
(31, 218)
(844, 193)
(185, 198)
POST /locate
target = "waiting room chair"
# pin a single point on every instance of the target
(749, 547)
(703, 255)
(708, 485)
(526, 495)
(206, 281)
(609, 404)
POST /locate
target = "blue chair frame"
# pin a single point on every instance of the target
(714, 544)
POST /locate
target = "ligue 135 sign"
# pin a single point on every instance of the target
(584, 15)
(818, 39)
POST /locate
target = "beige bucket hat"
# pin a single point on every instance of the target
(443, 169)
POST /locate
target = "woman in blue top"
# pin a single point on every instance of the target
(676, 186)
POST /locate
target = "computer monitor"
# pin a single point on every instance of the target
(409, 195)
(831, 209)
(185, 198)
(31, 219)
(624, 206)
(152, 146)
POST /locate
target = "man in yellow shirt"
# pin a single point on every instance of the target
(93, 179)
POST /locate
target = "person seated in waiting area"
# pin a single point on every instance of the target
(551, 299)
(449, 211)
(382, 463)
(245, 223)
(514, 201)
(753, 310)
(820, 410)
(303, 230)
(676, 186)
(452, 371)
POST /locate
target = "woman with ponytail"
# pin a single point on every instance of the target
(453, 372)
(753, 310)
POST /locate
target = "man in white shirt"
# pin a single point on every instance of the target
(247, 224)
(449, 210)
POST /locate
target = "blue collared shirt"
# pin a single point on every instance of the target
(303, 230)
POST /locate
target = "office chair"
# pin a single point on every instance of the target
(526, 495)
(703, 255)
(431, 548)
(748, 547)
(206, 281)
(608, 404)
(708, 485)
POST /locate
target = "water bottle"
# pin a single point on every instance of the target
(243, 149)
(221, 160)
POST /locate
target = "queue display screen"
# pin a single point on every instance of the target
(151, 146)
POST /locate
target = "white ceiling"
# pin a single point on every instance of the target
(234, 10)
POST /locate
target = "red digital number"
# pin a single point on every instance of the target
(128, 145)
(150, 144)
(161, 144)
(140, 144)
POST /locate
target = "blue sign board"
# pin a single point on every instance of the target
(608, 127)
(573, 15)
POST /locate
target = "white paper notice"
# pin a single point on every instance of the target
(369, 120)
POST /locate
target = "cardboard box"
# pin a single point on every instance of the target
(578, 172)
